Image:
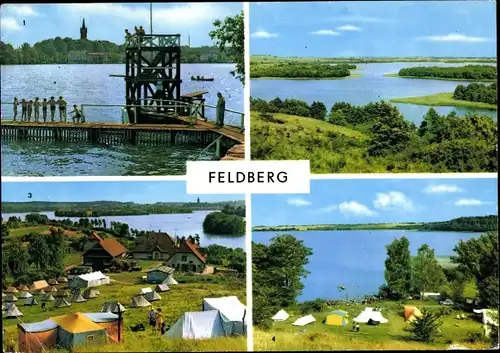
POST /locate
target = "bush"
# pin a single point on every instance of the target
(311, 306)
(426, 328)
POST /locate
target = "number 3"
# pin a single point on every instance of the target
(29, 195)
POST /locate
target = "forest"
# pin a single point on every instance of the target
(57, 51)
(301, 70)
(229, 221)
(467, 72)
(371, 138)
(465, 224)
(477, 92)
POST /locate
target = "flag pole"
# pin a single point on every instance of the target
(151, 17)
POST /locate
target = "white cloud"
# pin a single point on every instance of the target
(21, 10)
(329, 208)
(355, 208)
(393, 200)
(456, 38)
(442, 189)
(264, 34)
(325, 32)
(9, 24)
(349, 28)
(363, 19)
(298, 202)
(469, 202)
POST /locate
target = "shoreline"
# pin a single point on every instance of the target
(395, 75)
(304, 78)
(443, 100)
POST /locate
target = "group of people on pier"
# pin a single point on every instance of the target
(31, 109)
(136, 37)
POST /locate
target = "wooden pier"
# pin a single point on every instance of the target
(235, 153)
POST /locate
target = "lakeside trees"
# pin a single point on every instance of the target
(224, 224)
(301, 70)
(467, 72)
(477, 92)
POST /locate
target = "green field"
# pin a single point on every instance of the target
(443, 99)
(318, 336)
(438, 78)
(307, 78)
(181, 298)
(315, 227)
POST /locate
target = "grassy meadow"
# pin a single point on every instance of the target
(318, 336)
(186, 296)
(443, 99)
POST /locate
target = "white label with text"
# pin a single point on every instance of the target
(240, 177)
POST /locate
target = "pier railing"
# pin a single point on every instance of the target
(154, 41)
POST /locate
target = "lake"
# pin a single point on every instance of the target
(80, 84)
(372, 86)
(355, 259)
(174, 224)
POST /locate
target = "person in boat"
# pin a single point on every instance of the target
(36, 105)
(219, 110)
(52, 104)
(62, 109)
(30, 109)
(16, 103)
(76, 114)
(24, 109)
(44, 110)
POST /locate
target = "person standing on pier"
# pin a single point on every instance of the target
(52, 104)
(62, 109)
(36, 105)
(128, 38)
(77, 114)
(16, 103)
(30, 109)
(219, 110)
(44, 110)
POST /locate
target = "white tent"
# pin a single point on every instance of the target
(488, 319)
(304, 320)
(368, 314)
(12, 311)
(232, 312)
(90, 293)
(87, 280)
(25, 295)
(152, 296)
(48, 298)
(77, 298)
(281, 315)
(139, 301)
(31, 301)
(197, 325)
(169, 280)
(145, 290)
(61, 303)
(162, 288)
(113, 307)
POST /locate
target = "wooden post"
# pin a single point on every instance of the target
(217, 148)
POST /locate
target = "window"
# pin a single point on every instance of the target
(90, 338)
(184, 258)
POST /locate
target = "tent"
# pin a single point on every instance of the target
(232, 312)
(90, 293)
(11, 290)
(337, 318)
(113, 307)
(139, 301)
(37, 285)
(77, 329)
(53, 282)
(488, 320)
(11, 311)
(41, 292)
(368, 314)
(48, 298)
(50, 290)
(169, 280)
(10, 298)
(31, 301)
(197, 325)
(62, 279)
(77, 298)
(37, 337)
(61, 303)
(63, 293)
(281, 315)
(111, 322)
(88, 280)
(145, 290)
(162, 288)
(304, 320)
(25, 295)
(411, 312)
(152, 296)
(23, 287)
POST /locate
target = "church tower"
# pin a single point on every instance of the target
(83, 31)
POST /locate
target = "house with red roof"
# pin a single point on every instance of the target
(99, 252)
(179, 254)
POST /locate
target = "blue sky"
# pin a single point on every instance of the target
(378, 201)
(108, 21)
(126, 191)
(374, 28)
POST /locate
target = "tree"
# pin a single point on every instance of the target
(318, 110)
(17, 258)
(38, 251)
(398, 268)
(230, 38)
(426, 327)
(428, 275)
(5, 270)
(479, 258)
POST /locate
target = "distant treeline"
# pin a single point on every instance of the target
(113, 208)
(477, 92)
(467, 72)
(316, 110)
(366, 60)
(301, 70)
(462, 224)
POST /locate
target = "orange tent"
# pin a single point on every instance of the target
(411, 312)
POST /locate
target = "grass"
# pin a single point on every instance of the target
(306, 78)
(181, 298)
(439, 78)
(318, 336)
(19, 232)
(443, 99)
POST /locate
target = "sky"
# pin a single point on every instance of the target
(107, 21)
(123, 191)
(378, 201)
(374, 28)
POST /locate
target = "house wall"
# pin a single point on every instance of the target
(184, 262)
(142, 255)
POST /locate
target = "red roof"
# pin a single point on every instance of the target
(95, 236)
(113, 247)
(195, 251)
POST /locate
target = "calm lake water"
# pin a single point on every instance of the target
(80, 84)
(355, 259)
(372, 86)
(174, 224)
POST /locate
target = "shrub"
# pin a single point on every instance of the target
(426, 328)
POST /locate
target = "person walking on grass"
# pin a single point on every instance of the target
(152, 318)
(159, 319)
(16, 103)
(52, 104)
(219, 110)
(44, 110)
(36, 106)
